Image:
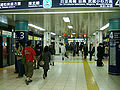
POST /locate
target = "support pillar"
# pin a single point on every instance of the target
(114, 46)
(57, 46)
(21, 30)
(47, 38)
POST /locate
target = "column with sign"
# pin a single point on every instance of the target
(21, 30)
(114, 46)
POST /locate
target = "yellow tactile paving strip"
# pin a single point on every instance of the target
(1, 69)
(76, 62)
(90, 80)
(67, 62)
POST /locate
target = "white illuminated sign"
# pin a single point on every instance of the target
(101, 3)
(38, 38)
(117, 3)
(58, 3)
(10, 4)
(34, 4)
(6, 33)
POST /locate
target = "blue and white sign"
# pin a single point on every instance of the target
(10, 4)
(21, 35)
(114, 46)
(34, 4)
(47, 3)
(97, 3)
(58, 4)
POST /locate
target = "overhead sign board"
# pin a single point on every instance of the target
(58, 4)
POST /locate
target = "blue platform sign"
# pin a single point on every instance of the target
(21, 30)
(58, 4)
(114, 45)
(21, 35)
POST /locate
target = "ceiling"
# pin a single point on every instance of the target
(83, 20)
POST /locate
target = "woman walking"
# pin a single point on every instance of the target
(46, 56)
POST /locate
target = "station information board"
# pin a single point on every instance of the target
(58, 4)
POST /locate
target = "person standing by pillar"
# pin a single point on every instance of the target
(63, 50)
(100, 54)
(92, 50)
(52, 51)
(20, 66)
(29, 56)
(85, 48)
(46, 56)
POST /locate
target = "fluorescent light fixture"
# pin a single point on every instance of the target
(60, 12)
(93, 33)
(66, 19)
(53, 33)
(104, 27)
(73, 33)
(70, 27)
(32, 25)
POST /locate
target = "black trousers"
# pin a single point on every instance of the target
(91, 56)
(45, 72)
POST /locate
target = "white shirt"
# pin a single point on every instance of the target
(63, 49)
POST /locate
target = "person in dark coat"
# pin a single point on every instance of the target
(38, 50)
(81, 47)
(92, 50)
(85, 48)
(46, 56)
(52, 51)
(100, 54)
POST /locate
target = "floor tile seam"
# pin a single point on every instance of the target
(50, 79)
(55, 79)
(83, 77)
(96, 69)
(66, 80)
(76, 77)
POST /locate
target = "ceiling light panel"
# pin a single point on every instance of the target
(66, 19)
(70, 27)
(34, 26)
(53, 33)
(104, 27)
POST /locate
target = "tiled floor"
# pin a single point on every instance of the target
(71, 74)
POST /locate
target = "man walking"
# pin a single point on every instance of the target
(29, 56)
(63, 51)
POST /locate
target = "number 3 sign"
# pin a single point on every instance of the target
(22, 35)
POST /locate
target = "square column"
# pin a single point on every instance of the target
(57, 45)
(47, 38)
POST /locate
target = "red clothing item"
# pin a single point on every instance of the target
(29, 53)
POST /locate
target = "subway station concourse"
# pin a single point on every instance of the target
(80, 25)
